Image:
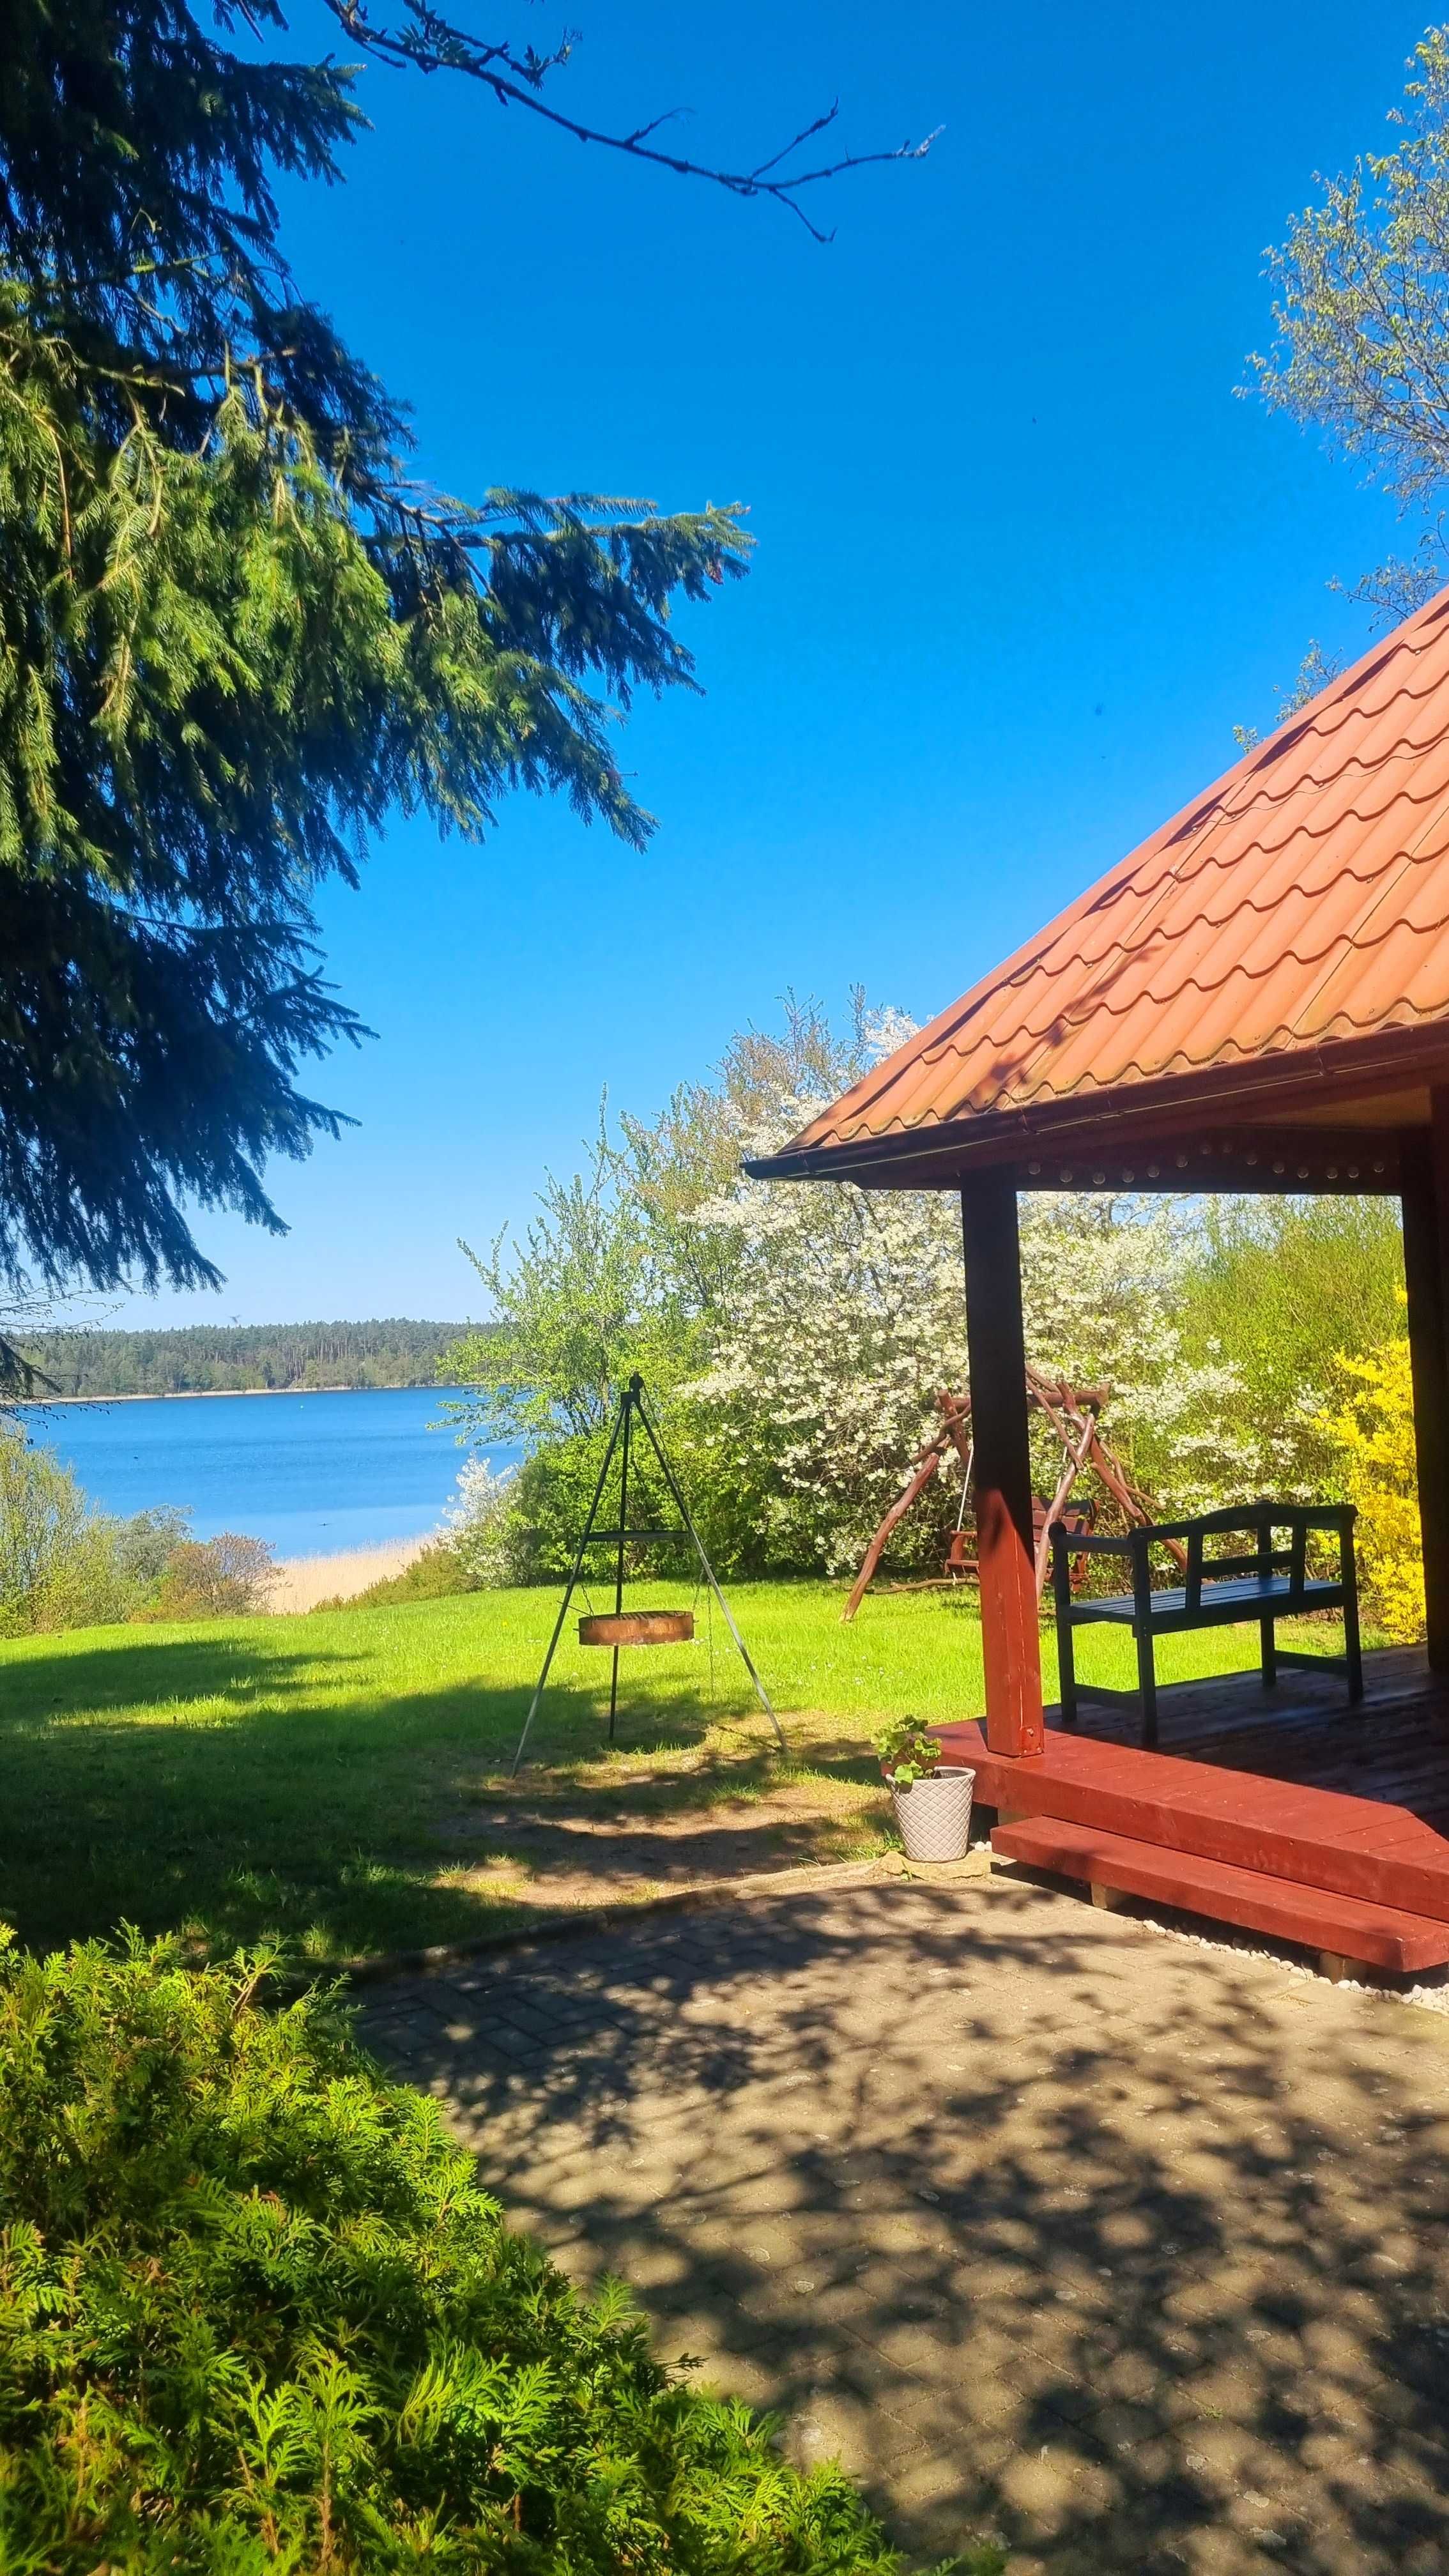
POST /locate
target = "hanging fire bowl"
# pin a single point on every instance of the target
(638, 1628)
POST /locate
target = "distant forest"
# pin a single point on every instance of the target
(221, 1358)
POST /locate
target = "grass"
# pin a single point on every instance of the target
(308, 1778)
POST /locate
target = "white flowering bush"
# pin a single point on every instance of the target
(477, 1523)
(845, 1315)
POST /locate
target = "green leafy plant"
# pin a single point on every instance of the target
(62, 1563)
(258, 2314)
(908, 1753)
(226, 1577)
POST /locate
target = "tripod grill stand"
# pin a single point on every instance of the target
(640, 1627)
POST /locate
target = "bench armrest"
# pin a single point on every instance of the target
(1088, 1542)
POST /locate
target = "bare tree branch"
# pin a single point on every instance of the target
(426, 41)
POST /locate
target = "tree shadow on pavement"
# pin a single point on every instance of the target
(1129, 2249)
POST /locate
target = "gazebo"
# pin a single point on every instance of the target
(1256, 999)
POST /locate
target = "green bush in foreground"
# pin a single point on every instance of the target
(256, 2314)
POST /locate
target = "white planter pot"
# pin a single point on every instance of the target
(935, 1815)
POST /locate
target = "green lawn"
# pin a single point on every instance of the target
(300, 1776)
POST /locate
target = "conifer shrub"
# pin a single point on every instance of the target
(257, 2314)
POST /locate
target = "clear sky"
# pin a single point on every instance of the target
(1023, 560)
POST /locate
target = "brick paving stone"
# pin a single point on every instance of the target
(1131, 2251)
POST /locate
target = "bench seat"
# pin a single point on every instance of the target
(1221, 1605)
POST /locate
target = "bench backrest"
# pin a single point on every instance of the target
(1258, 1520)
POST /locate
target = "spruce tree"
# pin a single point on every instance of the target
(235, 633)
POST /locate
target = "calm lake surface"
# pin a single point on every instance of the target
(311, 1473)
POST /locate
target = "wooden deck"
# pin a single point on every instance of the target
(1283, 1810)
(1394, 1747)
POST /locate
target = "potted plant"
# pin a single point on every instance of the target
(932, 1803)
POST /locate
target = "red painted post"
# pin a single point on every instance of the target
(1424, 1165)
(996, 1349)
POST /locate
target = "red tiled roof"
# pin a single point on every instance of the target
(1304, 901)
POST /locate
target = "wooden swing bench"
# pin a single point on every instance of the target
(1267, 1585)
(1076, 1520)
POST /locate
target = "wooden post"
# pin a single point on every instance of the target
(996, 1346)
(1424, 1169)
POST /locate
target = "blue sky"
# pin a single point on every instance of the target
(1023, 560)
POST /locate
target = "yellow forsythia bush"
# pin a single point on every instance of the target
(1374, 1428)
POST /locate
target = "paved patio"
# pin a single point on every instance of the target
(1131, 2251)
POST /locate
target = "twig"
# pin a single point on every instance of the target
(433, 44)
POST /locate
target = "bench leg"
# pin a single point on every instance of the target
(1067, 1672)
(1147, 1684)
(1269, 1653)
(1352, 1651)
(1066, 1651)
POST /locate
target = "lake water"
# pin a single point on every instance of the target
(310, 1473)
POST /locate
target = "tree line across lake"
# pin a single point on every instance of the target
(198, 1359)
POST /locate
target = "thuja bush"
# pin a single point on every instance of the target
(257, 2314)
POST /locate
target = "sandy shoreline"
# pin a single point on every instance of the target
(301, 1582)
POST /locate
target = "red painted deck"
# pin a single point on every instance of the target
(1311, 1800)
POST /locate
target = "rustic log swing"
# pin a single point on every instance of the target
(620, 1627)
(1074, 1413)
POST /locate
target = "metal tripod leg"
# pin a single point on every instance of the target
(708, 1570)
(569, 1589)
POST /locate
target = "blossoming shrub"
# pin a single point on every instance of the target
(257, 2315)
(1374, 1430)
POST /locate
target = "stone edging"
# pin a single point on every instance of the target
(707, 1893)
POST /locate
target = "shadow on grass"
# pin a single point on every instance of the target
(238, 1788)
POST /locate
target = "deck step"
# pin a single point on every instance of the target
(1344, 1926)
(1363, 1848)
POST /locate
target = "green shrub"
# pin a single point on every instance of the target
(227, 1577)
(62, 1564)
(437, 1574)
(257, 2315)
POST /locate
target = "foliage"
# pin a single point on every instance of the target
(1314, 674)
(1374, 1430)
(846, 1315)
(256, 2310)
(907, 1752)
(230, 1358)
(1361, 288)
(63, 1565)
(227, 1577)
(575, 1308)
(238, 634)
(1285, 1286)
(795, 1338)
(476, 1523)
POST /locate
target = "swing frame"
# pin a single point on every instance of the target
(1074, 1413)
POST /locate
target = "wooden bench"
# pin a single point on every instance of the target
(1266, 1585)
